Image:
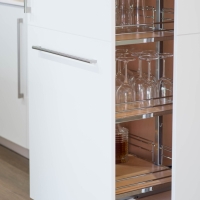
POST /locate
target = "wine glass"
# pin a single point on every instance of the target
(125, 93)
(139, 86)
(150, 52)
(150, 85)
(137, 54)
(164, 84)
(118, 82)
(119, 53)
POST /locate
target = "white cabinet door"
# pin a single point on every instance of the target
(13, 111)
(88, 18)
(71, 117)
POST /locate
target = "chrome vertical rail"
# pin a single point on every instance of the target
(26, 8)
(19, 21)
(159, 119)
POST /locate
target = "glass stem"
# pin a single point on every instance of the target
(126, 72)
(143, 7)
(119, 67)
(137, 11)
(140, 69)
(149, 70)
(163, 67)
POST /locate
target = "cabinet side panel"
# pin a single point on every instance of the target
(71, 118)
(187, 16)
(186, 111)
(13, 116)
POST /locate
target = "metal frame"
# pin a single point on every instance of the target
(127, 118)
(157, 147)
(146, 40)
(159, 119)
(137, 194)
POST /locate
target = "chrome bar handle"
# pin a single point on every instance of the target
(90, 61)
(19, 21)
(26, 8)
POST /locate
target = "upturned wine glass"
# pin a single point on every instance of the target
(125, 93)
(137, 54)
(164, 84)
(150, 52)
(139, 86)
(150, 85)
(119, 53)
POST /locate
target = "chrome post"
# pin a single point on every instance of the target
(159, 119)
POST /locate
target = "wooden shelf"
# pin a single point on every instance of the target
(139, 176)
(137, 38)
(145, 113)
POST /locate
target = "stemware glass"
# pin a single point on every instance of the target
(125, 93)
(139, 86)
(150, 85)
(150, 52)
(137, 54)
(164, 84)
(119, 53)
(118, 82)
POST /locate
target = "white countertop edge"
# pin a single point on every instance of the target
(13, 2)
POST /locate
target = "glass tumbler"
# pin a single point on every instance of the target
(139, 12)
(121, 144)
(126, 11)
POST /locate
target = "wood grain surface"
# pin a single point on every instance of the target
(14, 176)
(135, 166)
(137, 174)
(137, 36)
(143, 111)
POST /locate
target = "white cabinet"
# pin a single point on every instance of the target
(87, 18)
(70, 104)
(13, 111)
(187, 17)
(186, 121)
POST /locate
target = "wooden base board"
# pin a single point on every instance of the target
(14, 147)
